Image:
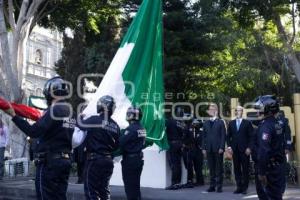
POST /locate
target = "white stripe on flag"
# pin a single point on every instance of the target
(113, 85)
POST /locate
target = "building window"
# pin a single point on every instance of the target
(39, 92)
(49, 57)
(30, 69)
(38, 56)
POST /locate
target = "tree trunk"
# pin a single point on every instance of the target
(291, 55)
(14, 64)
(9, 77)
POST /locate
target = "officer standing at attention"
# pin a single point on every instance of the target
(270, 152)
(54, 132)
(192, 153)
(259, 188)
(132, 143)
(102, 139)
(197, 127)
(284, 122)
(174, 130)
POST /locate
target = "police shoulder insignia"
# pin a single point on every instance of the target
(126, 132)
(141, 133)
(265, 136)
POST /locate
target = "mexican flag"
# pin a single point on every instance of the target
(135, 75)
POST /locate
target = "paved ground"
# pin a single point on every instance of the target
(24, 189)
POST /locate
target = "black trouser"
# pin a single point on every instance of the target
(276, 183)
(193, 160)
(132, 167)
(174, 157)
(80, 170)
(241, 164)
(51, 180)
(96, 179)
(2, 150)
(215, 164)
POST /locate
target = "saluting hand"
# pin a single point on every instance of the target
(221, 151)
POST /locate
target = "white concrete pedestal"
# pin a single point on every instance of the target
(156, 172)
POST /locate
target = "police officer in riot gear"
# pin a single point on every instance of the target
(102, 139)
(54, 134)
(175, 130)
(270, 149)
(132, 143)
(284, 122)
(192, 153)
(197, 128)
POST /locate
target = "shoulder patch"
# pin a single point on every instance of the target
(141, 133)
(265, 136)
(126, 132)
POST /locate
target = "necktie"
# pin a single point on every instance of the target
(211, 123)
(238, 124)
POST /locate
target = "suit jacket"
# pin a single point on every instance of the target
(240, 140)
(214, 135)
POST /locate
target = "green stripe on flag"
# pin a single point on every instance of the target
(144, 69)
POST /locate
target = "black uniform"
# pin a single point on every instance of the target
(214, 136)
(271, 157)
(101, 140)
(175, 131)
(259, 188)
(192, 154)
(53, 148)
(80, 159)
(284, 123)
(132, 143)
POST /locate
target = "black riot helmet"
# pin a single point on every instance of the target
(196, 123)
(106, 104)
(267, 105)
(134, 113)
(54, 88)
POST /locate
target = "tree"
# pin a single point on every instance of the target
(253, 12)
(88, 53)
(19, 17)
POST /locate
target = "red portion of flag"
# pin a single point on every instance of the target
(4, 105)
(26, 111)
(21, 110)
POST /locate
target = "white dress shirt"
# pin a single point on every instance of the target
(238, 123)
(78, 137)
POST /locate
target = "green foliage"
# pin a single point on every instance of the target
(213, 50)
(80, 13)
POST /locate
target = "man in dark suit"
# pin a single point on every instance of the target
(213, 145)
(239, 138)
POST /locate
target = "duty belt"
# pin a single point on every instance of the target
(94, 156)
(273, 163)
(133, 155)
(46, 157)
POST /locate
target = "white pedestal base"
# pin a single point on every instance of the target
(156, 172)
